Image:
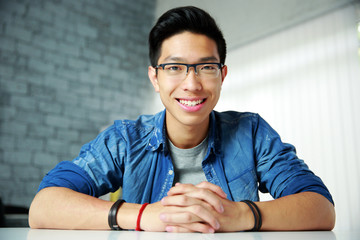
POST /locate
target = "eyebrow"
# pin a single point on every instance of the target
(179, 59)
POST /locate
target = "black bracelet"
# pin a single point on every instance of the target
(112, 215)
(257, 215)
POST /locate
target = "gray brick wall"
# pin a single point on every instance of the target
(67, 69)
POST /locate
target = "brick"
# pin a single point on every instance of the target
(98, 68)
(40, 131)
(29, 50)
(31, 186)
(81, 89)
(18, 32)
(31, 117)
(30, 144)
(68, 49)
(88, 136)
(13, 87)
(44, 42)
(74, 39)
(56, 146)
(45, 159)
(77, 63)
(86, 30)
(50, 107)
(26, 173)
(90, 103)
(6, 70)
(71, 111)
(93, 11)
(7, 113)
(5, 172)
(55, 58)
(42, 92)
(80, 124)
(57, 82)
(40, 65)
(66, 98)
(104, 93)
(17, 157)
(68, 135)
(29, 77)
(111, 61)
(57, 121)
(39, 14)
(86, 77)
(91, 55)
(23, 102)
(56, 8)
(7, 141)
(13, 7)
(7, 44)
(13, 127)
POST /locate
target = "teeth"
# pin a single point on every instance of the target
(190, 103)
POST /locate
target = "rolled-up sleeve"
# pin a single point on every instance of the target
(280, 172)
(69, 175)
(96, 171)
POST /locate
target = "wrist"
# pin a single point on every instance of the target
(127, 215)
(246, 217)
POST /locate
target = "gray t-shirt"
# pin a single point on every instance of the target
(188, 162)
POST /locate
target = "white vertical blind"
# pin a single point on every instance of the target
(305, 82)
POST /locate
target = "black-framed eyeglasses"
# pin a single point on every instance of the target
(180, 70)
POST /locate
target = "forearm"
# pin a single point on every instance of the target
(302, 211)
(62, 208)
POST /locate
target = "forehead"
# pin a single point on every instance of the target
(189, 47)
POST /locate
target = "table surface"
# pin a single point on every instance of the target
(42, 234)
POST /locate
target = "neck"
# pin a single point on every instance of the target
(185, 136)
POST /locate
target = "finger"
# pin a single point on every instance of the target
(208, 197)
(192, 214)
(214, 188)
(184, 201)
(181, 188)
(200, 193)
(194, 227)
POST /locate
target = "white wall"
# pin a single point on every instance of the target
(305, 82)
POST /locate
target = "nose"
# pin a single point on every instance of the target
(191, 81)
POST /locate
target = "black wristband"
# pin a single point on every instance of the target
(112, 215)
(257, 215)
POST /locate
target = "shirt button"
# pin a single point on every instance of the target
(171, 172)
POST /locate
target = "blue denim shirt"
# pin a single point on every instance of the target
(244, 155)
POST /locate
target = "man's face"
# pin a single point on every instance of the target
(189, 99)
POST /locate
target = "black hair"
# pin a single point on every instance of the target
(181, 19)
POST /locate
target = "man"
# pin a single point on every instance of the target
(200, 170)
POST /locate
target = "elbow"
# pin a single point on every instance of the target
(331, 219)
(328, 218)
(33, 220)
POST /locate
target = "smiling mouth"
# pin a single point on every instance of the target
(191, 103)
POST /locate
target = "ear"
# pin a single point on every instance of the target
(223, 73)
(153, 78)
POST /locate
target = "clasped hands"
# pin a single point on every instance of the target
(194, 208)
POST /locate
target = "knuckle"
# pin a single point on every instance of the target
(197, 209)
(183, 200)
(188, 217)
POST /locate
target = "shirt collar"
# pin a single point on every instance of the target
(159, 139)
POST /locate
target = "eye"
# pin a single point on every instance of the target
(174, 68)
(208, 67)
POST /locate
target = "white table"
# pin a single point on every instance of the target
(42, 234)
